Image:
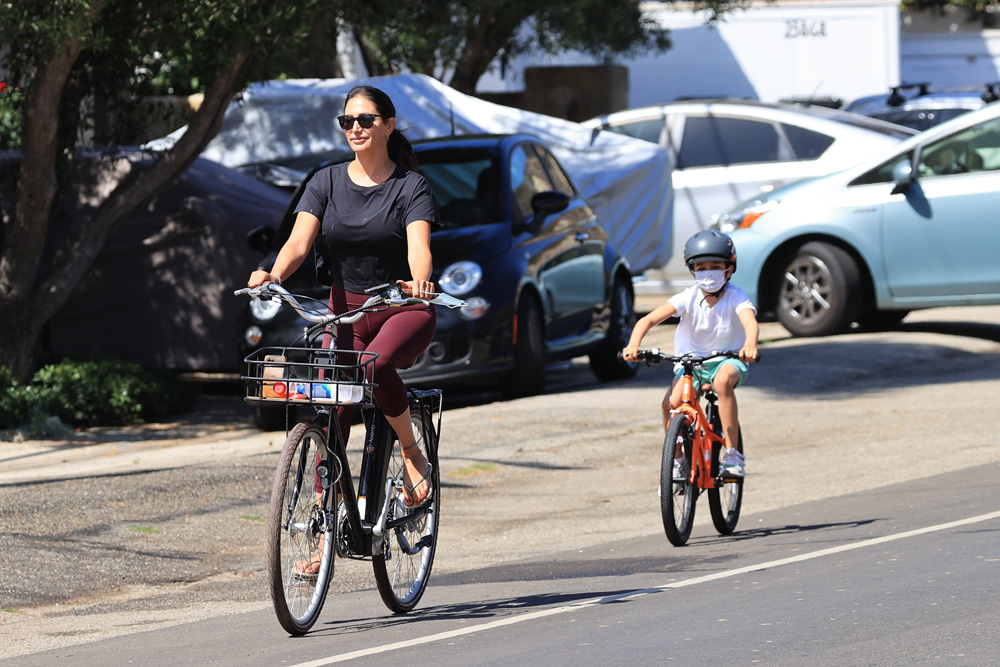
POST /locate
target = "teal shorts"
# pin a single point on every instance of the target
(710, 368)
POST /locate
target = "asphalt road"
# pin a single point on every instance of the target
(550, 502)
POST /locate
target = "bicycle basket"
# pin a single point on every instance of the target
(310, 375)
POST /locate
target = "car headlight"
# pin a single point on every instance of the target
(264, 310)
(745, 215)
(461, 278)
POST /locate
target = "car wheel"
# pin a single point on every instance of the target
(528, 377)
(604, 360)
(820, 291)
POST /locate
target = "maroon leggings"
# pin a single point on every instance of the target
(398, 335)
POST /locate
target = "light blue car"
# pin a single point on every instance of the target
(915, 227)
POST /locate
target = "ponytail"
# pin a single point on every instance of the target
(401, 151)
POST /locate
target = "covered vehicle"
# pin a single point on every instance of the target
(520, 245)
(160, 291)
(626, 182)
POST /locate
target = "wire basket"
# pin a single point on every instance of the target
(310, 375)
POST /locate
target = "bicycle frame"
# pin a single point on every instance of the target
(702, 435)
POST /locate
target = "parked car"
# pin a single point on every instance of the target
(912, 228)
(728, 150)
(520, 246)
(924, 107)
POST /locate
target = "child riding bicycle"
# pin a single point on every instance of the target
(714, 316)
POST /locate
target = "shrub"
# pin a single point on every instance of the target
(13, 402)
(94, 393)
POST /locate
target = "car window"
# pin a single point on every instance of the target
(807, 144)
(714, 141)
(559, 178)
(648, 129)
(972, 150)
(466, 187)
(883, 172)
(527, 178)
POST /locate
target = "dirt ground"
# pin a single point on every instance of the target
(116, 531)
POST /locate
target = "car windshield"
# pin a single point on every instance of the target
(466, 185)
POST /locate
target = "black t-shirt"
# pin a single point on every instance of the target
(363, 229)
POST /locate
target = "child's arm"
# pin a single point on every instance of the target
(642, 327)
(748, 352)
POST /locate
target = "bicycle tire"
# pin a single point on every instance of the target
(295, 532)
(402, 576)
(677, 499)
(725, 503)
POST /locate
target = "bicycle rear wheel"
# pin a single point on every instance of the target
(300, 537)
(725, 502)
(403, 565)
(677, 498)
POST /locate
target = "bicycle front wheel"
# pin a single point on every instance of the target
(300, 537)
(725, 501)
(677, 496)
(403, 565)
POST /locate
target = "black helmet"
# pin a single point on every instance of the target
(707, 245)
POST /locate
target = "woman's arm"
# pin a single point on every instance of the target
(418, 256)
(292, 254)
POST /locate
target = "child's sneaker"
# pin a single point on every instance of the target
(732, 464)
(679, 475)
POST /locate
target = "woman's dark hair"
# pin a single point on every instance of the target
(400, 150)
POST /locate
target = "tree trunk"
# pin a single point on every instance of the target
(27, 303)
(486, 34)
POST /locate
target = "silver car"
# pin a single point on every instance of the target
(915, 227)
(726, 151)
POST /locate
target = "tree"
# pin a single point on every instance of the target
(456, 41)
(79, 68)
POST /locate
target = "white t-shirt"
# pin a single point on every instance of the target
(703, 328)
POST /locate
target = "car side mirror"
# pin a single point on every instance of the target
(546, 203)
(260, 238)
(902, 176)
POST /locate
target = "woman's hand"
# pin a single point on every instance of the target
(258, 278)
(421, 289)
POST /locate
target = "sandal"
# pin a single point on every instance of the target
(424, 499)
(421, 501)
(309, 569)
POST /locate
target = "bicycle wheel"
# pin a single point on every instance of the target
(403, 565)
(299, 533)
(677, 498)
(725, 502)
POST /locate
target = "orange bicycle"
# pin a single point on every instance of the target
(695, 436)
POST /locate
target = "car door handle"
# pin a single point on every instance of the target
(582, 236)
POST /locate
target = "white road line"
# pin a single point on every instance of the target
(615, 598)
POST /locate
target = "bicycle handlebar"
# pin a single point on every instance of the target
(384, 295)
(654, 356)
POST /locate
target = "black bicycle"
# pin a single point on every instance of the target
(315, 511)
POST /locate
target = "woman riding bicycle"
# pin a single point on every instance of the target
(714, 316)
(370, 220)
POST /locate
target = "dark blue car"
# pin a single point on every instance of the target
(520, 245)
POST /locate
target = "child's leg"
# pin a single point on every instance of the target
(724, 383)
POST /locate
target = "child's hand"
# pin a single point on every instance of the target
(748, 353)
(630, 353)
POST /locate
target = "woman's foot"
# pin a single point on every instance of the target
(415, 467)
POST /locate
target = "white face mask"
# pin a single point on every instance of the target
(710, 281)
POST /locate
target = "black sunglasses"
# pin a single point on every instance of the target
(365, 120)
